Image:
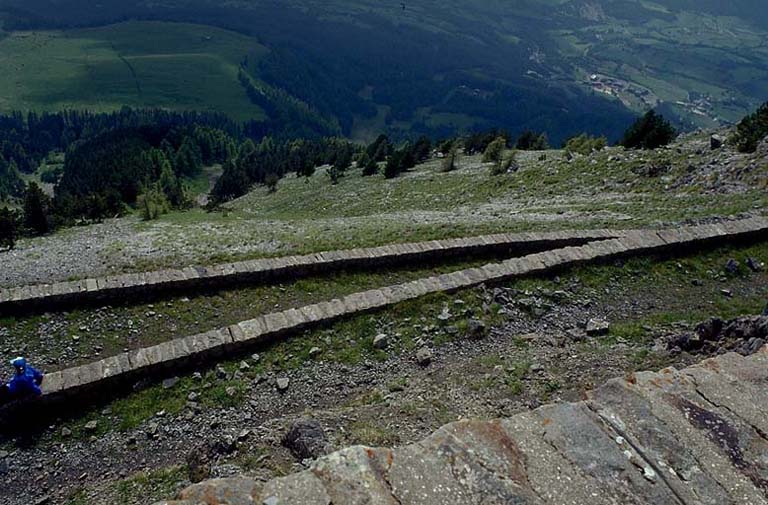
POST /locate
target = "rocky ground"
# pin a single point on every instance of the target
(550, 344)
(388, 378)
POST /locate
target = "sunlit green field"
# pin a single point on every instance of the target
(140, 64)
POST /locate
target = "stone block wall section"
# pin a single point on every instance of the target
(145, 284)
(692, 436)
(159, 360)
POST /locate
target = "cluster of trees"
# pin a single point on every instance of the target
(10, 179)
(532, 141)
(289, 117)
(476, 143)
(752, 130)
(33, 219)
(105, 173)
(27, 139)
(270, 160)
(317, 82)
(407, 157)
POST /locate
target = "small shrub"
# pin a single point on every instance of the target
(507, 165)
(370, 168)
(271, 181)
(495, 149)
(450, 161)
(586, 144)
(153, 203)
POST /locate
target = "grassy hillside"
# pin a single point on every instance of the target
(152, 64)
(607, 189)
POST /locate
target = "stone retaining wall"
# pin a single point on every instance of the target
(148, 284)
(127, 368)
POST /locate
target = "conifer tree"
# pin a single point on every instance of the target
(36, 208)
(649, 132)
(9, 228)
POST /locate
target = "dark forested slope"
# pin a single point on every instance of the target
(435, 67)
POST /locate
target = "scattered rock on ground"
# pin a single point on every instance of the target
(597, 327)
(306, 439)
(169, 383)
(283, 383)
(476, 329)
(745, 335)
(710, 329)
(199, 464)
(381, 341)
(747, 327)
(755, 265)
(424, 356)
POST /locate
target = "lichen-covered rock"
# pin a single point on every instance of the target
(690, 436)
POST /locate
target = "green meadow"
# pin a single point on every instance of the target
(141, 64)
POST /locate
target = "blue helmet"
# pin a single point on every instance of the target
(19, 362)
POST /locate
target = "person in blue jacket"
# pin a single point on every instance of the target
(26, 382)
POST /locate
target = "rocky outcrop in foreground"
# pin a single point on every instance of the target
(696, 436)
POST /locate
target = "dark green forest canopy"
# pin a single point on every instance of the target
(458, 65)
(454, 70)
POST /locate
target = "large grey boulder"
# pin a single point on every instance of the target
(669, 437)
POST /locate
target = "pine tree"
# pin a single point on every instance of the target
(382, 150)
(422, 150)
(36, 206)
(9, 228)
(343, 158)
(152, 202)
(189, 161)
(649, 132)
(171, 186)
(11, 183)
(394, 165)
(449, 162)
(368, 164)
